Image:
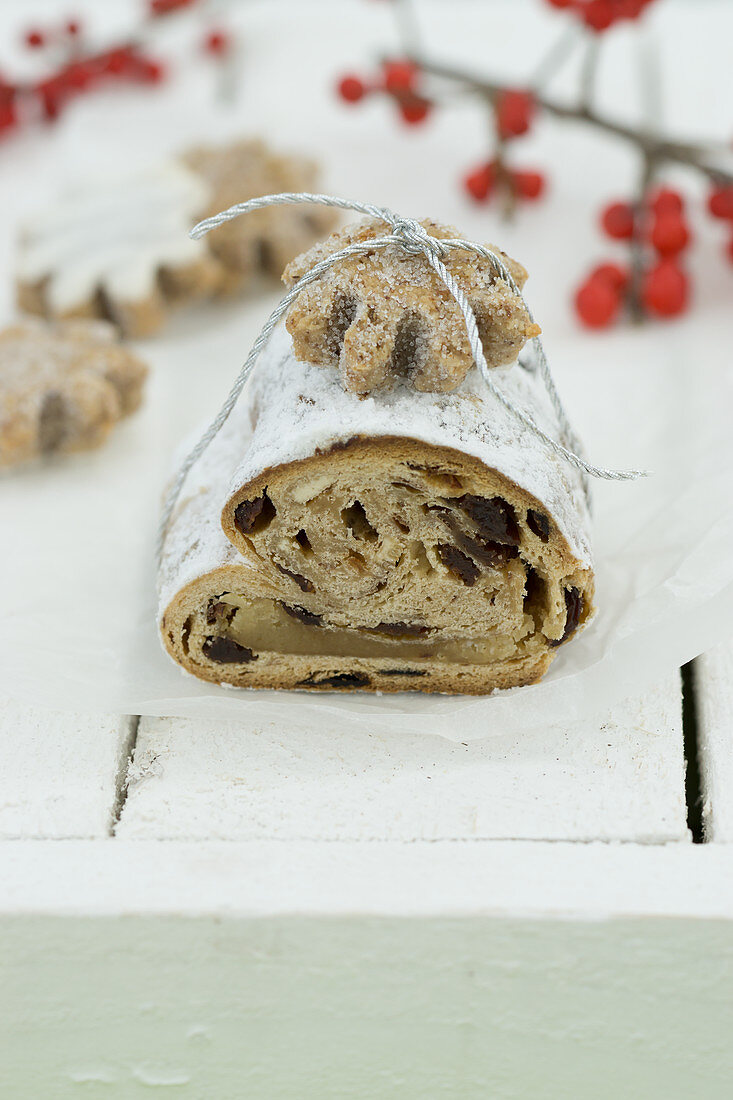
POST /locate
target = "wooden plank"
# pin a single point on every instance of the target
(341, 971)
(59, 772)
(621, 778)
(327, 879)
(713, 674)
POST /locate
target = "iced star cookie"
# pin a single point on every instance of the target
(266, 240)
(63, 386)
(119, 249)
(385, 315)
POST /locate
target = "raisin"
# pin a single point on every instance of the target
(338, 680)
(402, 672)
(302, 615)
(253, 515)
(398, 628)
(488, 553)
(494, 517)
(220, 612)
(225, 651)
(574, 604)
(538, 524)
(458, 563)
(302, 582)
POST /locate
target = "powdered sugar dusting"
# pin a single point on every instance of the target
(298, 408)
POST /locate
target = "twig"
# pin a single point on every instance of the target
(554, 59)
(660, 150)
(588, 73)
(407, 26)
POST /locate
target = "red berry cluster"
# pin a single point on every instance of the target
(599, 15)
(482, 181)
(514, 111)
(398, 78)
(660, 227)
(81, 73)
(217, 43)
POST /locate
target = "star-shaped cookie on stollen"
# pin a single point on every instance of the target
(385, 314)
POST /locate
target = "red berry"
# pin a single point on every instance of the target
(528, 185)
(351, 88)
(561, 3)
(149, 72)
(665, 289)
(51, 96)
(720, 202)
(165, 7)
(35, 39)
(666, 201)
(618, 277)
(597, 302)
(399, 76)
(8, 117)
(217, 43)
(72, 28)
(617, 220)
(630, 9)
(514, 112)
(598, 14)
(480, 182)
(118, 61)
(77, 76)
(414, 109)
(669, 235)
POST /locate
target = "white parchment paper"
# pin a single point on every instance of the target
(77, 624)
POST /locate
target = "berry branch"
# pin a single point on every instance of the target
(74, 68)
(653, 225)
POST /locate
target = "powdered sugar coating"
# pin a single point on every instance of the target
(291, 408)
(298, 408)
(195, 543)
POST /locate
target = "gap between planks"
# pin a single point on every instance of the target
(122, 778)
(690, 730)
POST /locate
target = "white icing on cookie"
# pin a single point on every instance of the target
(115, 235)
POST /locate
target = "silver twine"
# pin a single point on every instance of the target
(413, 238)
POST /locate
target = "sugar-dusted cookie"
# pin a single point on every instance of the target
(386, 314)
(266, 240)
(63, 386)
(119, 250)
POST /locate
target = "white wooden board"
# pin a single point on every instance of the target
(714, 697)
(619, 779)
(60, 772)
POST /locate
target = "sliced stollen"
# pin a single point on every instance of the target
(419, 541)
